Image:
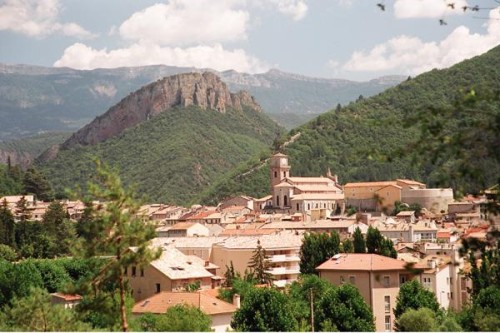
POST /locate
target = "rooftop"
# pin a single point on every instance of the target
(361, 262)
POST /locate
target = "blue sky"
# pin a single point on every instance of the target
(351, 39)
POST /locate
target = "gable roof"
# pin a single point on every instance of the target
(161, 302)
(361, 262)
(176, 265)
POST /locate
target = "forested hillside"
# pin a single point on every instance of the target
(375, 138)
(172, 157)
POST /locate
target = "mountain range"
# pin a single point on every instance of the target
(170, 139)
(36, 99)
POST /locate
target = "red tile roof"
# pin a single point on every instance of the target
(161, 302)
(361, 262)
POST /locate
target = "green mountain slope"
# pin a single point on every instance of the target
(372, 138)
(172, 157)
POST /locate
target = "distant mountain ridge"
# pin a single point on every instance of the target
(204, 90)
(36, 99)
(171, 138)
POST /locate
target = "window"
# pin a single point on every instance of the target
(388, 323)
(387, 304)
(275, 174)
(133, 271)
(402, 279)
(284, 174)
(352, 279)
(125, 271)
(277, 201)
(142, 272)
(158, 288)
(297, 206)
(386, 281)
(427, 282)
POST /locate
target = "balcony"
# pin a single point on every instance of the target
(283, 270)
(284, 258)
(283, 282)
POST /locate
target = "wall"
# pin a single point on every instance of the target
(434, 199)
(145, 286)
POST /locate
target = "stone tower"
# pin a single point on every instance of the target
(279, 169)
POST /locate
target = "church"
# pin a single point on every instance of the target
(314, 197)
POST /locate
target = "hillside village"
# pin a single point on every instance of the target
(201, 243)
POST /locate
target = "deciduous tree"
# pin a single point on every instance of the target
(412, 295)
(359, 241)
(317, 248)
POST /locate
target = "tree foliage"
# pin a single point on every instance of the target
(417, 320)
(412, 295)
(35, 183)
(344, 309)
(359, 241)
(264, 310)
(316, 248)
(179, 318)
(259, 264)
(378, 244)
(122, 235)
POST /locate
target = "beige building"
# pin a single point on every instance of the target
(316, 197)
(187, 229)
(378, 279)
(219, 311)
(173, 271)
(281, 248)
(382, 195)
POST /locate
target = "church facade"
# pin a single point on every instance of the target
(314, 197)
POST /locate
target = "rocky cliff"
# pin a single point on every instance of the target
(205, 90)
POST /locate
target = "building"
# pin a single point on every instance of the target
(187, 229)
(173, 271)
(378, 279)
(219, 311)
(317, 197)
(382, 195)
(66, 300)
(282, 249)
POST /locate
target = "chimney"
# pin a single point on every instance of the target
(431, 263)
(236, 301)
(207, 263)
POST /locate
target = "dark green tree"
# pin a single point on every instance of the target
(259, 264)
(35, 183)
(21, 211)
(316, 248)
(240, 286)
(7, 253)
(59, 228)
(7, 225)
(359, 241)
(264, 310)
(376, 243)
(230, 275)
(306, 290)
(36, 313)
(412, 295)
(179, 318)
(347, 246)
(344, 309)
(124, 235)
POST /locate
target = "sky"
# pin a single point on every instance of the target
(350, 39)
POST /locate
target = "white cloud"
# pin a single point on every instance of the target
(427, 8)
(296, 9)
(185, 22)
(81, 56)
(410, 55)
(37, 18)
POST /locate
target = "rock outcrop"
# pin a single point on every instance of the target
(205, 90)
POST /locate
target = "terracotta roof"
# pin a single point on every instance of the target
(247, 232)
(201, 215)
(362, 262)
(161, 302)
(368, 184)
(67, 297)
(406, 213)
(443, 234)
(409, 182)
(182, 225)
(318, 196)
(267, 197)
(298, 180)
(175, 265)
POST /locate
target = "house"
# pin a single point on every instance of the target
(187, 229)
(173, 271)
(407, 215)
(198, 246)
(437, 276)
(317, 197)
(219, 311)
(378, 279)
(66, 300)
(241, 200)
